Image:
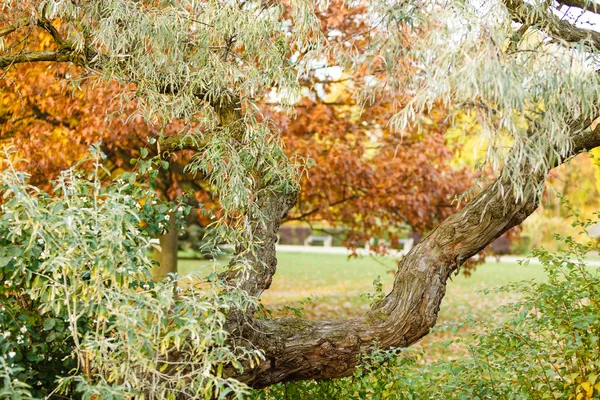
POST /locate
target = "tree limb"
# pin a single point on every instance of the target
(297, 349)
(550, 24)
(36, 56)
(587, 5)
(65, 52)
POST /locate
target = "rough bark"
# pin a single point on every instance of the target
(588, 5)
(263, 259)
(297, 349)
(557, 28)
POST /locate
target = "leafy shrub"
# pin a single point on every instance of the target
(545, 345)
(80, 313)
(373, 380)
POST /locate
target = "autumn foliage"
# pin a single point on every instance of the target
(365, 178)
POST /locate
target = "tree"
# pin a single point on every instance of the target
(353, 184)
(365, 177)
(53, 124)
(528, 76)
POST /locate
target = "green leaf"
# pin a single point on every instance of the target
(51, 337)
(4, 261)
(49, 323)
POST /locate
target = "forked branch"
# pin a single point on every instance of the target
(299, 349)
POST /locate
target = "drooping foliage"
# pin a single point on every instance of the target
(365, 177)
(190, 60)
(80, 312)
(184, 56)
(524, 71)
(52, 122)
(527, 73)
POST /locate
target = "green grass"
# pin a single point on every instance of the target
(335, 282)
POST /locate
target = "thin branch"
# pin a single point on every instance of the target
(317, 209)
(554, 27)
(58, 39)
(19, 24)
(586, 5)
(35, 56)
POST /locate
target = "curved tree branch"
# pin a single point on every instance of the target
(46, 25)
(550, 24)
(299, 349)
(587, 5)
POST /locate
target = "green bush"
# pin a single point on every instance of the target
(545, 345)
(80, 314)
(373, 380)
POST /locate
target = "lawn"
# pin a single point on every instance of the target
(334, 285)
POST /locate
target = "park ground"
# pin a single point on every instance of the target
(334, 286)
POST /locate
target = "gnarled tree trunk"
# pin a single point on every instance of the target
(298, 349)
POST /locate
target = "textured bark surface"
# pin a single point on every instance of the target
(558, 28)
(263, 261)
(299, 349)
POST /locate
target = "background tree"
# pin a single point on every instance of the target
(53, 123)
(531, 85)
(365, 177)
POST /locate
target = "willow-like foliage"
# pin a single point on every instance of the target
(529, 86)
(525, 72)
(207, 63)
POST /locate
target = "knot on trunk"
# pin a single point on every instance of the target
(326, 348)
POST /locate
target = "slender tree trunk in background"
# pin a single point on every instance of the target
(167, 258)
